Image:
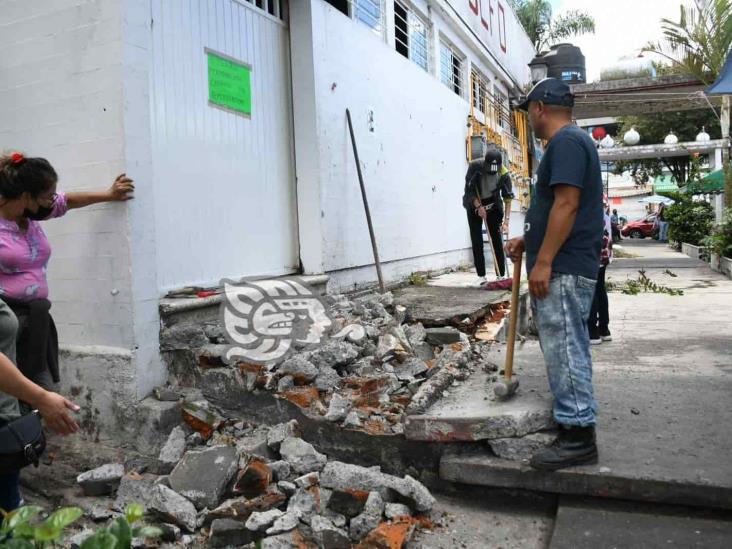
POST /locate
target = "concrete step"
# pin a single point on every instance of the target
(471, 412)
(663, 431)
(610, 525)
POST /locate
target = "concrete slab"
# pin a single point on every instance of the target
(471, 412)
(663, 387)
(483, 519)
(446, 305)
(610, 525)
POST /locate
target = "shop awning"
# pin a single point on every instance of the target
(665, 184)
(711, 183)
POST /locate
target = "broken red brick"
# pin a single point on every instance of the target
(254, 374)
(389, 535)
(242, 508)
(430, 363)
(200, 420)
(304, 397)
(402, 400)
(254, 479)
(374, 427)
(207, 360)
(457, 347)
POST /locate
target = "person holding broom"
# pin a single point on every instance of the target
(487, 187)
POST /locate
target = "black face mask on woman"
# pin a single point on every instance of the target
(42, 213)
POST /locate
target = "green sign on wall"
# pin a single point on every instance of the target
(229, 84)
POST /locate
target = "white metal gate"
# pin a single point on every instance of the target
(224, 183)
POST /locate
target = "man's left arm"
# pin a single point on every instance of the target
(506, 189)
(561, 220)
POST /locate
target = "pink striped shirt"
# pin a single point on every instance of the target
(24, 256)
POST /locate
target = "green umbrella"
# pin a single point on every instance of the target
(711, 183)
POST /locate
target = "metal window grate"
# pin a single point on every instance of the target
(275, 8)
(480, 90)
(370, 13)
(451, 68)
(412, 35)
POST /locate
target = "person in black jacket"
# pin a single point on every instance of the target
(487, 186)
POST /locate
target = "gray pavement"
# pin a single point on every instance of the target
(664, 386)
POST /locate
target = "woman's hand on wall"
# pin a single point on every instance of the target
(121, 189)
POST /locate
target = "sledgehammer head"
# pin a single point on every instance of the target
(506, 388)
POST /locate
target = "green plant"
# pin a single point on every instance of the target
(689, 221)
(21, 530)
(642, 284)
(720, 239)
(418, 279)
(120, 533)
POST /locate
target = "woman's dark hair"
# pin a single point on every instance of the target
(19, 174)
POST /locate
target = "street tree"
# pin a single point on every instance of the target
(543, 30)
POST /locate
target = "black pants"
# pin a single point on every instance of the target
(599, 321)
(494, 219)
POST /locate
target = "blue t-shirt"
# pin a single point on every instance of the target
(570, 159)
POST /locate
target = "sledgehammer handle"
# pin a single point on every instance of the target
(513, 319)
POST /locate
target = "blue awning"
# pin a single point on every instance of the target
(723, 85)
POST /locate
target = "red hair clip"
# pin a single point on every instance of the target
(17, 157)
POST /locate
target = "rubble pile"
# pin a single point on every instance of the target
(243, 485)
(364, 379)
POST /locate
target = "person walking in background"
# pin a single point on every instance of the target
(615, 226)
(662, 224)
(599, 322)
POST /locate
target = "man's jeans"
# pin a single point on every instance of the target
(663, 231)
(561, 320)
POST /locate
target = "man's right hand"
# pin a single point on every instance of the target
(482, 213)
(54, 410)
(515, 248)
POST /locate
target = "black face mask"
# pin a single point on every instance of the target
(42, 213)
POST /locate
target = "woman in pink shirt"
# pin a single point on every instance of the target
(28, 195)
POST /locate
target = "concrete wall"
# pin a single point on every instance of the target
(75, 89)
(413, 161)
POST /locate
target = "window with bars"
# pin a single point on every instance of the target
(504, 113)
(366, 12)
(480, 90)
(411, 35)
(277, 8)
(451, 67)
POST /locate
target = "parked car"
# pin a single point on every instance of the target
(640, 228)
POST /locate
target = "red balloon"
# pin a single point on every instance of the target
(598, 133)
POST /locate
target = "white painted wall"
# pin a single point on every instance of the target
(74, 88)
(61, 97)
(413, 163)
(224, 184)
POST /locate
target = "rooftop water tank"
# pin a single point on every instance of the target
(567, 63)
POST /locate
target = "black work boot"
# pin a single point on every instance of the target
(573, 446)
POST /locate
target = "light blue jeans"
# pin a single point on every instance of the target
(561, 320)
(663, 231)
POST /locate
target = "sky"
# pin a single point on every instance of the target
(622, 28)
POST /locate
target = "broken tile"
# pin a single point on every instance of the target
(201, 420)
(202, 475)
(254, 479)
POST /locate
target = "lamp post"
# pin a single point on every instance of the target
(702, 136)
(631, 137)
(539, 69)
(607, 142)
(671, 138)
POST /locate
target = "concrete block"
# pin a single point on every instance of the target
(203, 475)
(102, 480)
(521, 448)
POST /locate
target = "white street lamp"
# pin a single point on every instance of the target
(607, 142)
(671, 139)
(631, 137)
(703, 136)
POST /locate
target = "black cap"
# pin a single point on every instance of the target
(493, 160)
(549, 91)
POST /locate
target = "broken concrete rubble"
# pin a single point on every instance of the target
(102, 480)
(301, 455)
(202, 475)
(228, 533)
(172, 452)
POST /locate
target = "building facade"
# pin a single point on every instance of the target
(255, 180)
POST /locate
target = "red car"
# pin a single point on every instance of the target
(640, 228)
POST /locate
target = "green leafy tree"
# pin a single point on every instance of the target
(689, 221)
(653, 128)
(536, 18)
(698, 43)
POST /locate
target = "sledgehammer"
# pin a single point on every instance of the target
(507, 387)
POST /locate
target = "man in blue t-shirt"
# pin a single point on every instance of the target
(562, 239)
